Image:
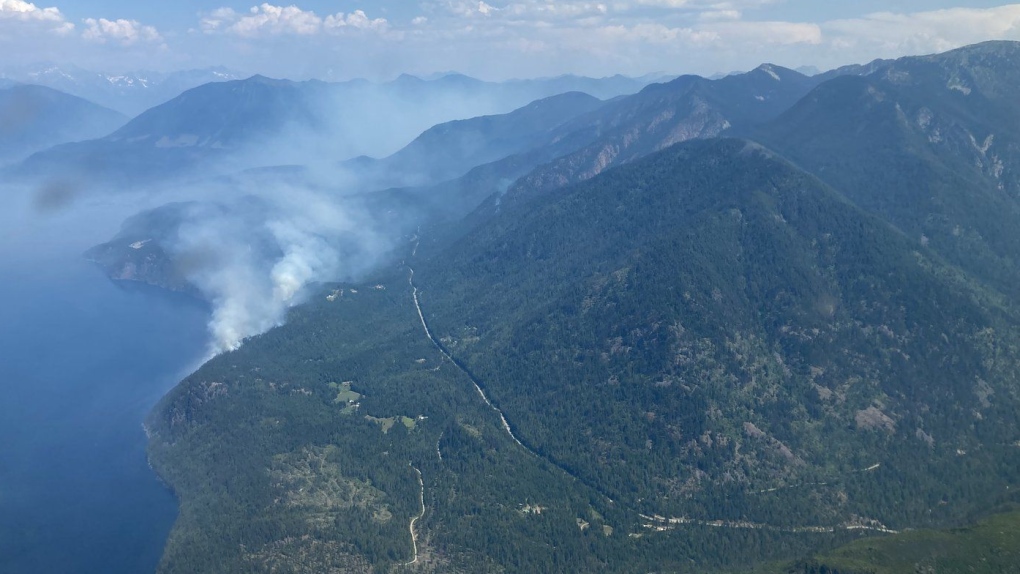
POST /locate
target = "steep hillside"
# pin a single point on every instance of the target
(617, 132)
(712, 325)
(225, 115)
(932, 144)
(661, 115)
(704, 359)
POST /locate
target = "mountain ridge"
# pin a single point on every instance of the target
(719, 351)
(35, 117)
(738, 257)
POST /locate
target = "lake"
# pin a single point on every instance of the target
(82, 361)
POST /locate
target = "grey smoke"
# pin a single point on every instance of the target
(256, 257)
(255, 239)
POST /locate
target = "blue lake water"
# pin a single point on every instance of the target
(82, 361)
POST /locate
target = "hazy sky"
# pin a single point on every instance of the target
(497, 39)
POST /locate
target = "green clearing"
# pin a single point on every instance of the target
(344, 393)
(387, 423)
(991, 546)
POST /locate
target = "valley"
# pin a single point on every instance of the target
(695, 348)
(762, 322)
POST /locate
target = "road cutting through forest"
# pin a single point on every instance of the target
(654, 523)
(414, 533)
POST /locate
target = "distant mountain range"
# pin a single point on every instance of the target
(449, 169)
(260, 121)
(34, 118)
(129, 93)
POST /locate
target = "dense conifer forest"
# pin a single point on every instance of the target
(789, 351)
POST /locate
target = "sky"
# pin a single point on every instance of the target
(494, 39)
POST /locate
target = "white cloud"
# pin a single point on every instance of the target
(768, 33)
(126, 32)
(527, 10)
(700, 36)
(712, 15)
(357, 19)
(277, 20)
(216, 19)
(887, 34)
(270, 20)
(32, 33)
(26, 12)
(550, 10)
(503, 38)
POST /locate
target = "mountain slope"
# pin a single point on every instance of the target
(707, 335)
(450, 150)
(224, 115)
(617, 132)
(710, 322)
(661, 115)
(940, 139)
(34, 118)
(198, 127)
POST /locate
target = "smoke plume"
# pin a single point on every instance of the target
(255, 257)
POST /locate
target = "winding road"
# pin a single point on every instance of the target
(481, 393)
(655, 523)
(414, 534)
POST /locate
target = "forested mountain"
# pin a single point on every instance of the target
(614, 133)
(709, 334)
(649, 348)
(724, 325)
(34, 118)
(940, 137)
(449, 169)
(602, 88)
(622, 130)
(661, 115)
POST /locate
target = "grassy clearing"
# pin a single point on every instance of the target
(386, 424)
(344, 395)
(992, 546)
